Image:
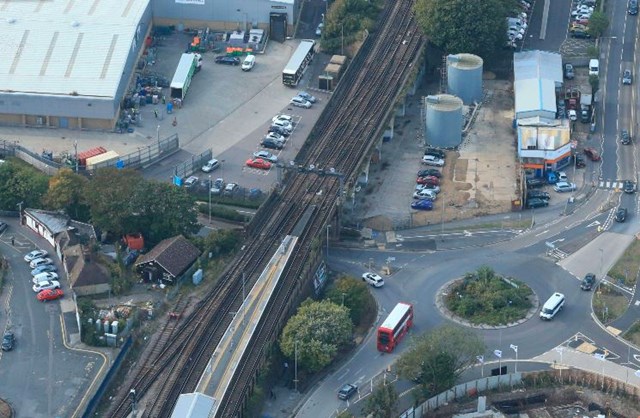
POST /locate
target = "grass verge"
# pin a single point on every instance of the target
(609, 304)
(626, 269)
(633, 334)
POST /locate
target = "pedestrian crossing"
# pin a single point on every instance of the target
(611, 185)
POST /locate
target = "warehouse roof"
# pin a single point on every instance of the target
(535, 95)
(63, 47)
(537, 65)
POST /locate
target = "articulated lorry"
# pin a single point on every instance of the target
(189, 65)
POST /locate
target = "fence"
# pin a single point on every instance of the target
(113, 370)
(188, 167)
(43, 164)
(145, 156)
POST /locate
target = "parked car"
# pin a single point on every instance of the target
(627, 77)
(190, 182)
(621, 214)
(258, 163)
(230, 189)
(579, 161)
(629, 186)
(432, 160)
(538, 194)
(39, 262)
(211, 165)
(430, 172)
(300, 102)
(423, 204)
(347, 391)
(282, 117)
(569, 74)
(43, 269)
(563, 186)
(266, 155)
(51, 284)
(218, 186)
(433, 187)
(271, 144)
(279, 130)
(35, 254)
(625, 138)
(223, 59)
(319, 29)
(592, 154)
(425, 194)
(435, 151)
(537, 203)
(49, 294)
(8, 341)
(373, 279)
(307, 96)
(533, 183)
(275, 137)
(588, 281)
(580, 34)
(428, 180)
(284, 124)
(3, 226)
(44, 277)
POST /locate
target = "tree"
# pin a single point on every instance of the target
(320, 330)
(436, 359)
(345, 19)
(21, 184)
(455, 26)
(598, 23)
(356, 297)
(383, 402)
(67, 192)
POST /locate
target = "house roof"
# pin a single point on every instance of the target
(82, 272)
(174, 255)
(54, 221)
(193, 405)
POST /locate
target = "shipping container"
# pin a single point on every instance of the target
(82, 157)
(102, 160)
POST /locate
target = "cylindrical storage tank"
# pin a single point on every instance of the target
(464, 77)
(444, 121)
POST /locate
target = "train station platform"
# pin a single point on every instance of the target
(227, 356)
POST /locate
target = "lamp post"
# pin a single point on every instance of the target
(328, 226)
(158, 134)
(75, 149)
(515, 348)
(342, 36)
(295, 365)
(209, 198)
(601, 264)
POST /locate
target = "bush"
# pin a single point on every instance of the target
(222, 212)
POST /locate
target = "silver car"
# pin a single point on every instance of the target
(266, 155)
(300, 102)
(44, 277)
(51, 284)
(40, 262)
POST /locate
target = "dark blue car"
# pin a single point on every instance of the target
(423, 204)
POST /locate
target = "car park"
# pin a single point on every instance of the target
(569, 74)
(43, 269)
(258, 163)
(49, 294)
(307, 96)
(347, 391)
(266, 155)
(433, 187)
(223, 59)
(300, 102)
(51, 284)
(373, 279)
(592, 154)
(35, 254)
(588, 281)
(271, 144)
(43, 277)
(230, 189)
(533, 183)
(8, 341)
(538, 194)
(432, 160)
(423, 204)
(627, 77)
(217, 187)
(621, 215)
(430, 172)
(39, 262)
(563, 186)
(211, 165)
(629, 186)
(625, 138)
(425, 194)
(537, 203)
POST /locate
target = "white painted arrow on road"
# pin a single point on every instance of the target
(592, 224)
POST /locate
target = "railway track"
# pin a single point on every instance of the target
(339, 140)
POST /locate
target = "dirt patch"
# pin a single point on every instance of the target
(461, 170)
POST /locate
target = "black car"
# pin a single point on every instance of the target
(8, 341)
(581, 34)
(588, 281)
(279, 131)
(534, 183)
(227, 60)
(3, 226)
(347, 391)
(435, 152)
(430, 172)
(621, 215)
(537, 203)
(625, 138)
(271, 144)
(579, 161)
(629, 186)
(538, 194)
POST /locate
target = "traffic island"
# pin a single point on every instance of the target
(483, 299)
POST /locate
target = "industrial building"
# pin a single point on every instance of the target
(68, 64)
(544, 141)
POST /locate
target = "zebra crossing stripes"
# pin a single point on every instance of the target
(607, 184)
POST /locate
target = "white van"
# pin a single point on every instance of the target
(594, 67)
(552, 306)
(248, 63)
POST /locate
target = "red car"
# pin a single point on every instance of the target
(428, 180)
(49, 294)
(258, 163)
(592, 154)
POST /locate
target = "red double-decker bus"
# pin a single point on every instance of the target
(395, 327)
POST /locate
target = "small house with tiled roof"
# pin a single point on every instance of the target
(87, 276)
(57, 228)
(167, 260)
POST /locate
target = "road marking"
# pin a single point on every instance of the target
(594, 223)
(542, 233)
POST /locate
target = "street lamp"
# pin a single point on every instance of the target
(158, 134)
(328, 226)
(515, 348)
(209, 198)
(75, 148)
(295, 365)
(601, 263)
